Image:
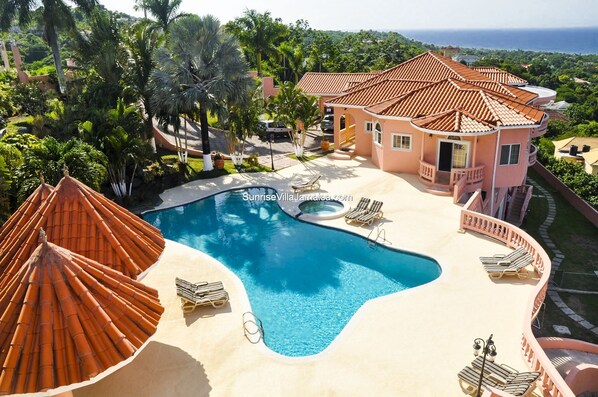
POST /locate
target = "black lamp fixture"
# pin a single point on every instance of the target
(270, 139)
(488, 349)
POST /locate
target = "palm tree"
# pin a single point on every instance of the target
(200, 68)
(296, 110)
(243, 120)
(258, 33)
(56, 15)
(141, 44)
(165, 11)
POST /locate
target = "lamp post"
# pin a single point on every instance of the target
(488, 350)
(270, 138)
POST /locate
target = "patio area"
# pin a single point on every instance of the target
(411, 343)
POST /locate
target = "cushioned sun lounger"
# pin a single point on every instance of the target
(189, 300)
(507, 259)
(312, 184)
(501, 371)
(361, 207)
(371, 214)
(512, 385)
(470, 377)
(517, 268)
(199, 288)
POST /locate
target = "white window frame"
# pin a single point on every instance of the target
(402, 135)
(510, 145)
(377, 135)
(368, 127)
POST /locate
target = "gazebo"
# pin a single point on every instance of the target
(82, 220)
(65, 318)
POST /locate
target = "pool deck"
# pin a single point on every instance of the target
(411, 343)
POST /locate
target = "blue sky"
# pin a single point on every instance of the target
(401, 14)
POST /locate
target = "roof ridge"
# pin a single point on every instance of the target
(509, 103)
(444, 60)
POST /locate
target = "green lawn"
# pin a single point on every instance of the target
(576, 238)
(195, 168)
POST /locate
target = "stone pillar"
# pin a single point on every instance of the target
(4, 55)
(23, 78)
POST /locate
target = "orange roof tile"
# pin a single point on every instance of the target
(511, 92)
(452, 95)
(65, 318)
(377, 92)
(430, 67)
(25, 210)
(82, 220)
(499, 75)
(328, 84)
(454, 120)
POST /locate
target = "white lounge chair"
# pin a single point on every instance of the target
(517, 268)
(312, 184)
(501, 259)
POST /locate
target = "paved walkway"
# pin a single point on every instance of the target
(558, 258)
(411, 343)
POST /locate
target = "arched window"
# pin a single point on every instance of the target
(377, 134)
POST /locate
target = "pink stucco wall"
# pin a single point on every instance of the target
(513, 175)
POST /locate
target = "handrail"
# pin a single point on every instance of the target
(474, 175)
(532, 156)
(550, 380)
(381, 232)
(427, 172)
(256, 324)
(346, 134)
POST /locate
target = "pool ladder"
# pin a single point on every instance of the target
(379, 233)
(252, 327)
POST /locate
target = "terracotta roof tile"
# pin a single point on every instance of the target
(452, 95)
(430, 67)
(499, 75)
(377, 92)
(508, 91)
(454, 120)
(82, 220)
(25, 210)
(60, 324)
(313, 83)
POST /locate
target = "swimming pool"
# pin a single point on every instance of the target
(304, 281)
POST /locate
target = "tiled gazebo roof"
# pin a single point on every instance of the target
(78, 218)
(65, 318)
(25, 210)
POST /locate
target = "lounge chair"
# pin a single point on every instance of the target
(517, 268)
(504, 372)
(358, 210)
(515, 387)
(371, 214)
(189, 300)
(199, 288)
(501, 259)
(312, 184)
(471, 378)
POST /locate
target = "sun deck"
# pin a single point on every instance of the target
(411, 343)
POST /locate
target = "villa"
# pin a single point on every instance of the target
(458, 128)
(89, 306)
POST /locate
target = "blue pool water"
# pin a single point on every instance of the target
(304, 281)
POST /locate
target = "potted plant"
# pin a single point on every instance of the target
(218, 161)
(325, 144)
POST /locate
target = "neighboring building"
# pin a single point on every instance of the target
(450, 51)
(467, 59)
(330, 85)
(580, 150)
(457, 128)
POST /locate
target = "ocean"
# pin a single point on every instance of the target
(568, 40)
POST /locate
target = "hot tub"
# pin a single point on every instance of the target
(322, 209)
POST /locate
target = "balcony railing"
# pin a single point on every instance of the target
(550, 381)
(542, 128)
(533, 155)
(347, 135)
(474, 177)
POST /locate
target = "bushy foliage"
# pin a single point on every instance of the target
(49, 159)
(30, 99)
(574, 176)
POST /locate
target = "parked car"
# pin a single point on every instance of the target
(327, 123)
(275, 129)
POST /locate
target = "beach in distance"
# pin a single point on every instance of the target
(567, 40)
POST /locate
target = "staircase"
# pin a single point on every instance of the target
(518, 205)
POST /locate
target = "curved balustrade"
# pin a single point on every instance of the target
(550, 380)
(532, 156)
(427, 172)
(473, 175)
